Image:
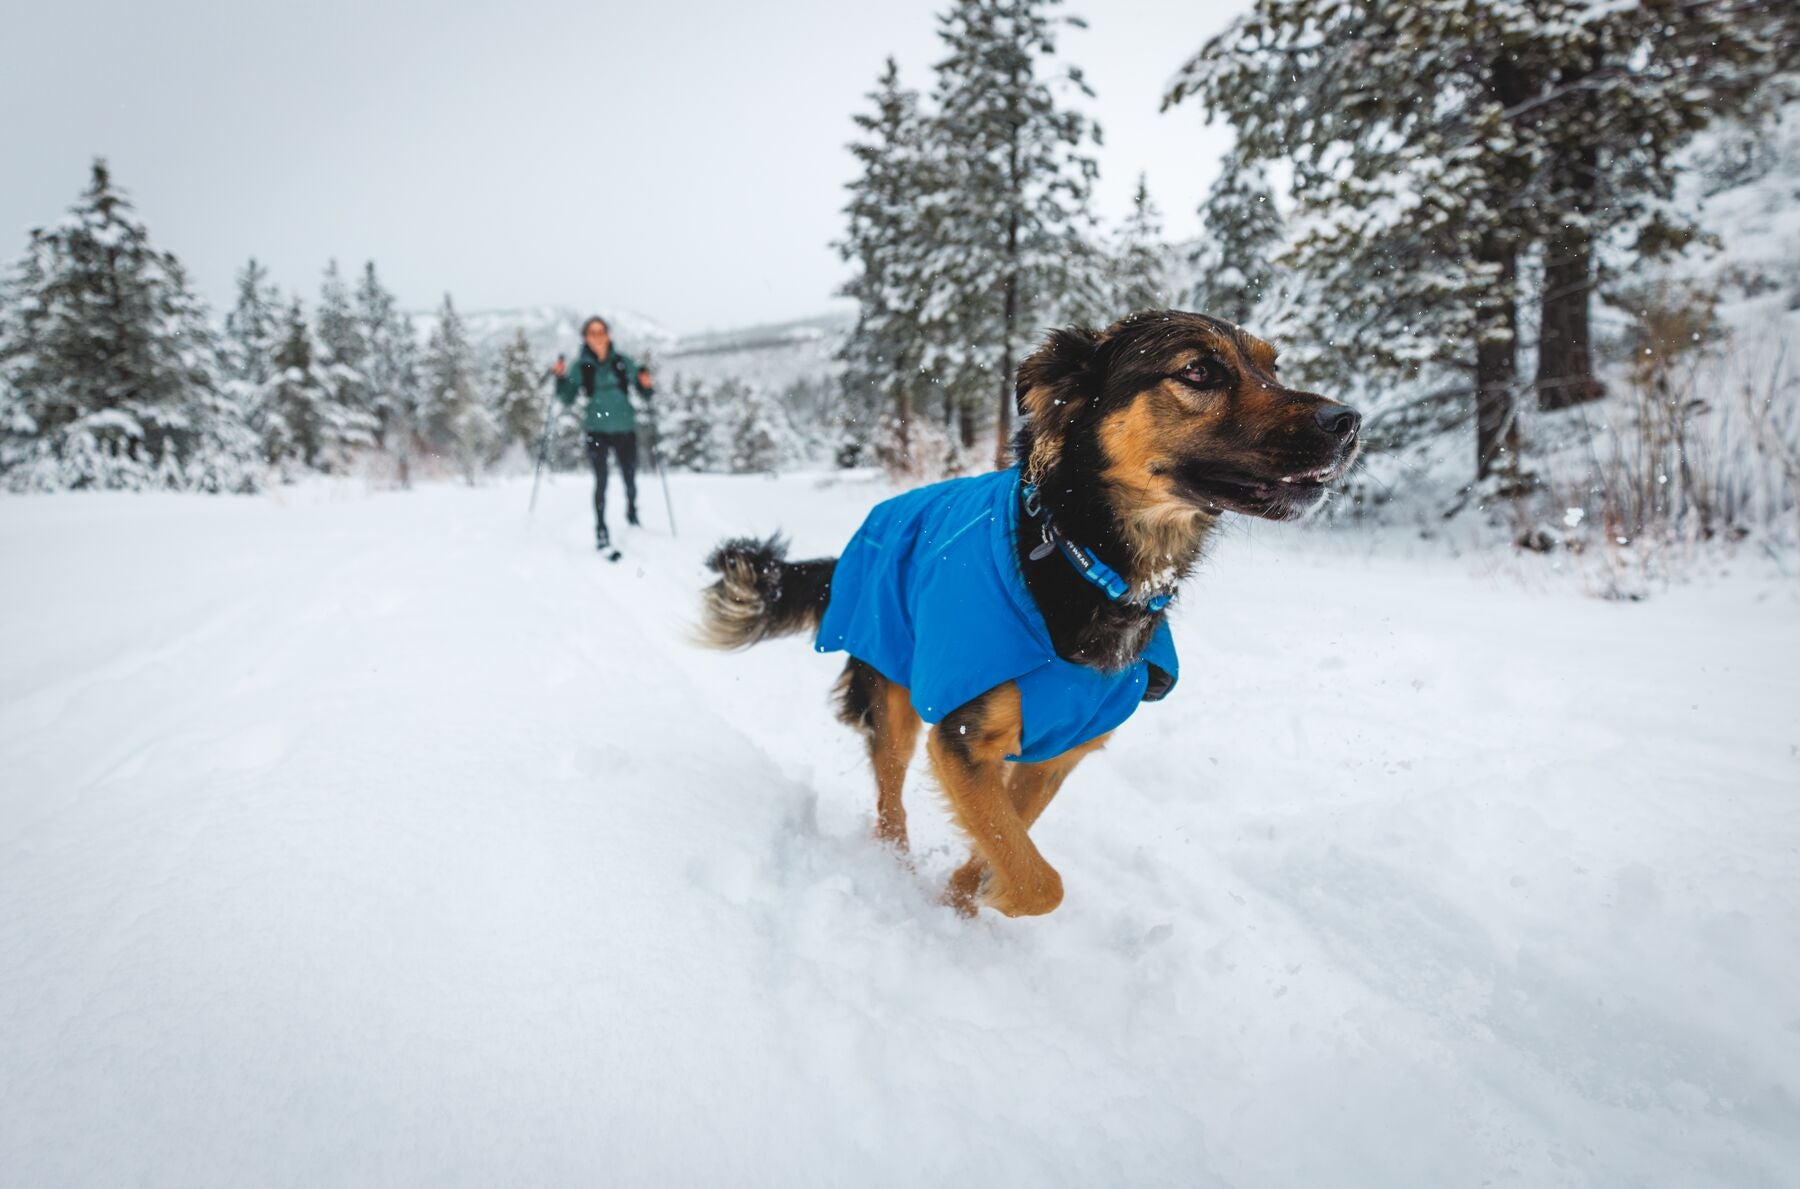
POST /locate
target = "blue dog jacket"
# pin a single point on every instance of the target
(929, 592)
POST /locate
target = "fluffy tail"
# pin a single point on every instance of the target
(760, 594)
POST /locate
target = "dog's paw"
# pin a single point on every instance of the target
(1036, 894)
(891, 832)
(963, 893)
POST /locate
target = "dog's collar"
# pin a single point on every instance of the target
(1100, 575)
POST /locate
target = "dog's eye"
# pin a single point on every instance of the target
(1205, 373)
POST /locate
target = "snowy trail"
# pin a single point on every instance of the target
(372, 839)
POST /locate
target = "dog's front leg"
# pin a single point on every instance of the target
(968, 752)
(1032, 787)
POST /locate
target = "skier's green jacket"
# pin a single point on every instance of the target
(605, 383)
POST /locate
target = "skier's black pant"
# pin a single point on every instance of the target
(624, 447)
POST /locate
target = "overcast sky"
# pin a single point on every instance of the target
(682, 160)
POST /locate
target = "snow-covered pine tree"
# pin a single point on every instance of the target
(298, 414)
(689, 425)
(392, 370)
(110, 367)
(1622, 89)
(1408, 179)
(1440, 148)
(1137, 267)
(456, 423)
(343, 346)
(1009, 237)
(252, 330)
(519, 395)
(758, 439)
(285, 408)
(885, 240)
(1243, 231)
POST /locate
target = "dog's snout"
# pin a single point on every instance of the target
(1340, 421)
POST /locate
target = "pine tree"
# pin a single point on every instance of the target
(1243, 233)
(343, 345)
(453, 419)
(1138, 265)
(758, 440)
(298, 412)
(883, 355)
(1623, 88)
(108, 367)
(391, 370)
(1439, 149)
(1009, 234)
(519, 395)
(689, 426)
(252, 329)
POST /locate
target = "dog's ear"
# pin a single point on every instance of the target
(1053, 385)
(1054, 380)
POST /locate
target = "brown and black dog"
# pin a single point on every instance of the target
(1136, 439)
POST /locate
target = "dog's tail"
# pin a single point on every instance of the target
(760, 594)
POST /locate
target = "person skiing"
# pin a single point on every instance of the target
(605, 378)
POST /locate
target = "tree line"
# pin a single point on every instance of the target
(112, 376)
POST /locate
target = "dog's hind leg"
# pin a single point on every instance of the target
(1032, 787)
(968, 752)
(883, 712)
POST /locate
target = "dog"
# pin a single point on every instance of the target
(1023, 613)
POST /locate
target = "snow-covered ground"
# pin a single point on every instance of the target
(378, 839)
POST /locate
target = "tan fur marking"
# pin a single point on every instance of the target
(731, 608)
(1161, 527)
(891, 745)
(972, 771)
(1031, 787)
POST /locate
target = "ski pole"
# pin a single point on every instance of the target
(544, 441)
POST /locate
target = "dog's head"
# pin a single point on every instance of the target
(1179, 414)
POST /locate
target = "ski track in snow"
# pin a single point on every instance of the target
(375, 838)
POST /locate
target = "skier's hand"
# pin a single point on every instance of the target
(646, 384)
(560, 368)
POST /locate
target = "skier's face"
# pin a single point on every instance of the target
(598, 340)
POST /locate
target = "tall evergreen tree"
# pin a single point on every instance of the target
(110, 367)
(343, 346)
(758, 438)
(690, 425)
(252, 329)
(1440, 148)
(1243, 232)
(302, 420)
(1621, 90)
(884, 353)
(453, 419)
(391, 369)
(1010, 233)
(519, 395)
(1138, 265)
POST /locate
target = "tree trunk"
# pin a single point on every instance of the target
(1497, 317)
(1010, 310)
(1003, 424)
(903, 426)
(1565, 374)
(1496, 366)
(965, 425)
